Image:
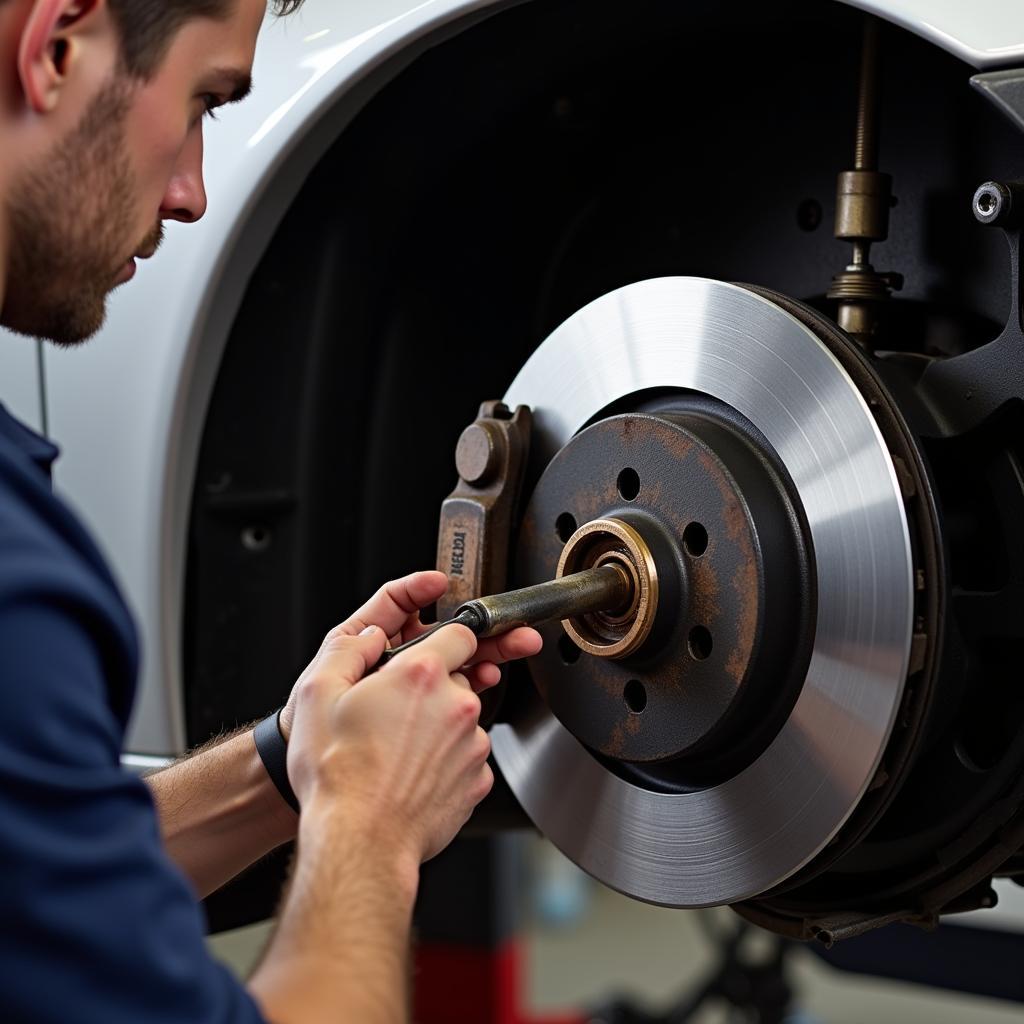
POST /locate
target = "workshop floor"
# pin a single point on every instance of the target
(613, 946)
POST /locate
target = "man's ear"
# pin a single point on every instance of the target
(50, 43)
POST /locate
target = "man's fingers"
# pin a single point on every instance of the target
(483, 670)
(483, 675)
(519, 643)
(392, 605)
(455, 645)
(345, 659)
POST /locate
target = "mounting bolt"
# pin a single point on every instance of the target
(479, 453)
(998, 203)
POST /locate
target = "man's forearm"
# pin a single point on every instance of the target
(340, 952)
(219, 812)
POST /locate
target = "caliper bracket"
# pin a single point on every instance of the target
(478, 517)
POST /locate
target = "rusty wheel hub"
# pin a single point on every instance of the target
(704, 665)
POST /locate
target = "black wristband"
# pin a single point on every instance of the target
(273, 750)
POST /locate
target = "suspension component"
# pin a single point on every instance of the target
(967, 390)
(863, 199)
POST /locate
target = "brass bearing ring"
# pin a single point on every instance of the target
(612, 541)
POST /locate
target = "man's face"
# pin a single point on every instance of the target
(81, 215)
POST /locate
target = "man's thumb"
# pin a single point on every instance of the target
(376, 642)
(348, 658)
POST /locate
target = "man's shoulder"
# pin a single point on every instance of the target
(48, 562)
(39, 535)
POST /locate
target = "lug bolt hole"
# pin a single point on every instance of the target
(635, 696)
(565, 526)
(629, 484)
(256, 538)
(695, 539)
(699, 643)
(569, 652)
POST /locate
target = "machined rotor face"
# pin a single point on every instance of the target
(742, 421)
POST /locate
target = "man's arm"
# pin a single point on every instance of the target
(219, 812)
(386, 771)
(101, 927)
(340, 951)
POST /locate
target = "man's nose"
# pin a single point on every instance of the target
(185, 198)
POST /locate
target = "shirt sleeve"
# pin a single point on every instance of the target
(97, 923)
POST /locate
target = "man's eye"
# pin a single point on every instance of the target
(210, 105)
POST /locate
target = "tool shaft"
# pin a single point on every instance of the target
(605, 588)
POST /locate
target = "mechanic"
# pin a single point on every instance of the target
(102, 141)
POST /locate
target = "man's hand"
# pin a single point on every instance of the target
(395, 609)
(402, 751)
(400, 756)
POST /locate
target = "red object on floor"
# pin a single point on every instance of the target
(473, 985)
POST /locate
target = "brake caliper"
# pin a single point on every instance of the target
(478, 517)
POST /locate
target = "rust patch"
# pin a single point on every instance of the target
(683, 481)
(746, 585)
(625, 729)
(704, 590)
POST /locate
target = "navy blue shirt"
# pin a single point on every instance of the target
(96, 924)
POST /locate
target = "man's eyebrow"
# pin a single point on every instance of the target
(238, 83)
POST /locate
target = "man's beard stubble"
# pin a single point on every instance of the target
(70, 227)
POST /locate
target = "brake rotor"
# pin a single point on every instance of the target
(739, 761)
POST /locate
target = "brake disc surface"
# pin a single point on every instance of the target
(737, 838)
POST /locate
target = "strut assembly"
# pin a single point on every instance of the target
(863, 198)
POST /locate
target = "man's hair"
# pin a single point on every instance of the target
(147, 27)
